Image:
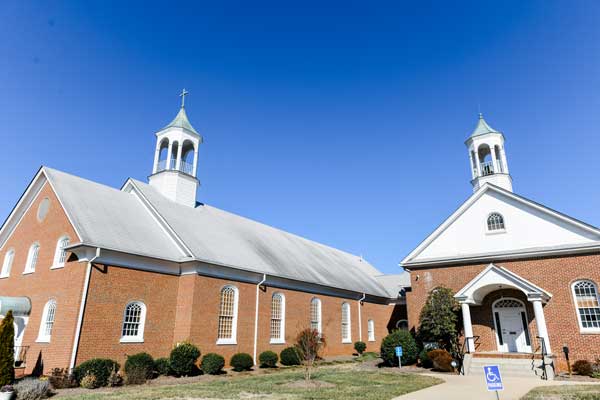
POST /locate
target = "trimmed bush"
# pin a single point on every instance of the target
(212, 364)
(89, 381)
(583, 367)
(99, 367)
(424, 359)
(242, 362)
(402, 338)
(268, 359)
(61, 379)
(115, 379)
(289, 356)
(162, 366)
(183, 359)
(7, 350)
(139, 368)
(32, 389)
(441, 360)
(360, 347)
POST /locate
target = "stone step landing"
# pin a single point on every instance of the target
(520, 366)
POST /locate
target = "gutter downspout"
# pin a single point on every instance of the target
(86, 284)
(360, 317)
(264, 278)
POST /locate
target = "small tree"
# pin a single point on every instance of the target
(439, 319)
(308, 344)
(7, 350)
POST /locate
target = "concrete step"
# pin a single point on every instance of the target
(513, 367)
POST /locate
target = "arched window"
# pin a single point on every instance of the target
(228, 315)
(134, 320)
(587, 303)
(47, 322)
(163, 154)
(7, 264)
(315, 315)
(278, 318)
(495, 222)
(187, 158)
(402, 324)
(371, 330)
(32, 258)
(346, 328)
(174, 155)
(60, 255)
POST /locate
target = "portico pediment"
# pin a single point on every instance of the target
(495, 278)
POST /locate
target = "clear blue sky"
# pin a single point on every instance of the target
(343, 122)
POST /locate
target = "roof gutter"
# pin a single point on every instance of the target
(84, 294)
(264, 278)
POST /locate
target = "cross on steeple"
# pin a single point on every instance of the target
(182, 95)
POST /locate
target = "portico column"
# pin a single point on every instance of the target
(540, 322)
(169, 152)
(468, 327)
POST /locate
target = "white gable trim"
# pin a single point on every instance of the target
(408, 260)
(130, 187)
(495, 278)
(24, 204)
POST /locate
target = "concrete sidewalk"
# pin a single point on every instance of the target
(458, 387)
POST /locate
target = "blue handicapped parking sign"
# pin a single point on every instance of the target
(493, 378)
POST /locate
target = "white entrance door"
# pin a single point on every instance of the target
(510, 320)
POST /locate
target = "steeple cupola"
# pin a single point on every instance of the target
(487, 157)
(176, 159)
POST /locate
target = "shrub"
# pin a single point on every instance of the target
(32, 389)
(438, 321)
(139, 368)
(268, 359)
(99, 367)
(583, 367)
(241, 362)
(402, 338)
(360, 347)
(289, 356)
(7, 350)
(183, 359)
(89, 381)
(424, 359)
(212, 364)
(114, 379)
(60, 378)
(309, 343)
(441, 359)
(162, 366)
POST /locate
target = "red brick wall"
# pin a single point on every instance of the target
(555, 275)
(63, 285)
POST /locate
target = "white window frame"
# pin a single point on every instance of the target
(60, 254)
(346, 311)
(371, 330)
(32, 258)
(317, 301)
(139, 338)
(7, 264)
(581, 328)
(233, 338)
(495, 231)
(281, 338)
(48, 318)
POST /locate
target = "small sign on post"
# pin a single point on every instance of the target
(399, 355)
(493, 379)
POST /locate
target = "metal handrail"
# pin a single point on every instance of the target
(462, 353)
(544, 353)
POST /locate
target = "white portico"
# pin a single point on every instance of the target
(509, 314)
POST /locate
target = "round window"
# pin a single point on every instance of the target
(43, 209)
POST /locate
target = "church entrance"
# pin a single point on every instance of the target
(510, 320)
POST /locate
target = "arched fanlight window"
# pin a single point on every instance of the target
(60, 255)
(588, 305)
(346, 327)
(7, 264)
(315, 315)
(227, 331)
(134, 321)
(495, 222)
(371, 330)
(32, 258)
(47, 322)
(278, 318)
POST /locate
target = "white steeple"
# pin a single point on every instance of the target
(176, 159)
(487, 157)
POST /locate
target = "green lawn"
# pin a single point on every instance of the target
(574, 392)
(350, 384)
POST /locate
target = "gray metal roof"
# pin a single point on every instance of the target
(393, 284)
(482, 127)
(181, 121)
(113, 219)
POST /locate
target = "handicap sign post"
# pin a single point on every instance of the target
(399, 355)
(493, 379)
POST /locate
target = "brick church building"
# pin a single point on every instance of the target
(526, 276)
(93, 271)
